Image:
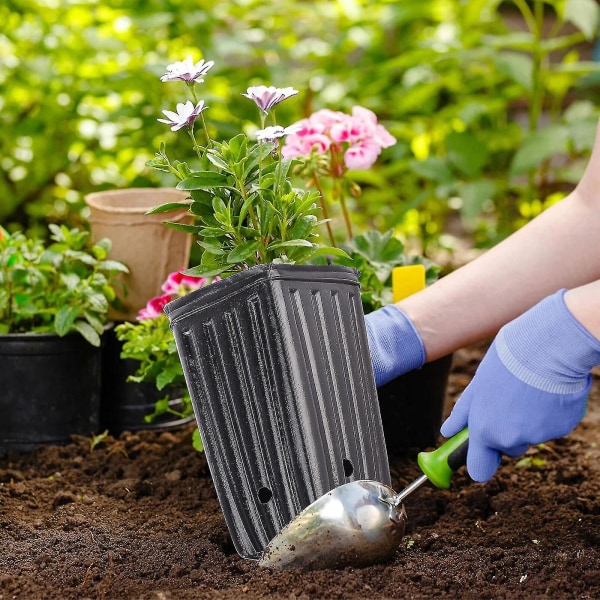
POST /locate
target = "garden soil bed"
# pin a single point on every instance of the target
(137, 517)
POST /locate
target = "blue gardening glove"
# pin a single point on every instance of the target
(531, 386)
(395, 345)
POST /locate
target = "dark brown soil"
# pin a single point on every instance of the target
(137, 517)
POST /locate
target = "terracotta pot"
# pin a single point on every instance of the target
(150, 249)
(277, 364)
(412, 406)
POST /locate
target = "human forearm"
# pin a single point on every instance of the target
(558, 249)
(584, 304)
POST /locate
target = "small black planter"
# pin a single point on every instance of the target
(277, 363)
(49, 390)
(412, 406)
(125, 404)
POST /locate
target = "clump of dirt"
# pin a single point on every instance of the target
(137, 517)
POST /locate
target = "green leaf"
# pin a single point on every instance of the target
(380, 247)
(329, 251)
(203, 180)
(432, 168)
(88, 332)
(112, 266)
(476, 195)
(219, 206)
(201, 209)
(94, 321)
(466, 153)
(238, 147)
(71, 280)
(290, 244)
(242, 252)
(519, 40)
(244, 209)
(83, 257)
(205, 270)
(517, 67)
(64, 320)
(538, 147)
(216, 159)
(584, 14)
(212, 248)
(197, 441)
(161, 407)
(169, 374)
(281, 172)
(184, 227)
(201, 196)
(167, 207)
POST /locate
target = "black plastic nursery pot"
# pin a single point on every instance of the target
(277, 363)
(49, 389)
(412, 406)
(125, 404)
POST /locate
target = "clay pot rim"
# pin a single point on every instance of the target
(133, 200)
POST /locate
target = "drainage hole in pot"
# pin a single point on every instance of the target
(348, 467)
(264, 494)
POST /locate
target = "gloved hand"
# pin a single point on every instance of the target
(531, 386)
(396, 346)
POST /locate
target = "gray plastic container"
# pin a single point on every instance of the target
(277, 364)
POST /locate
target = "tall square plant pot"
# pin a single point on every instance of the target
(49, 389)
(412, 406)
(277, 364)
(149, 249)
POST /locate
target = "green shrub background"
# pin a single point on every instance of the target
(494, 104)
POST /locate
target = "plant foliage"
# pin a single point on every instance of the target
(494, 104)
(61, 287)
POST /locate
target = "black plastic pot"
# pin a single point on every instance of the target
(49, 390)
(277, 363)
(412, 406)
(125, 405)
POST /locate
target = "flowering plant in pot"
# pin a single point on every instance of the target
(331, 145)
(149, 344)
(54, 299)
(246, 209)
(270, 349)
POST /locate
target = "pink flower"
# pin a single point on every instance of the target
(358, 136)
(187, 70)
(362, 155)
(185, 116)
(267, 97)
(154, 307)
(383, 137)
(299, 144)
(180, 284)
(324, 119)
(349, 130)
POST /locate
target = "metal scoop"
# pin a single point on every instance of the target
(359, 523)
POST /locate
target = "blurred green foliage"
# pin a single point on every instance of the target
(492, 102)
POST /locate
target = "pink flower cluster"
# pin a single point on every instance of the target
(177, 284)
(358, 136)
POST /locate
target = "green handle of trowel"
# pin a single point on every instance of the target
(440, 465)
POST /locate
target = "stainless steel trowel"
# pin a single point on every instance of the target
(358, 523)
